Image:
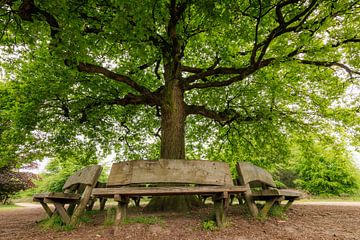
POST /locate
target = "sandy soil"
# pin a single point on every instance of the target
(304, 221)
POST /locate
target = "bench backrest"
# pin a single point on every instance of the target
(253, 175)
(169, 171)
(86, 176)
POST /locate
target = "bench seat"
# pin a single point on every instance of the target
(167, 177)
(76, 194)
(261, 187)
(57, 195)
(163, 191)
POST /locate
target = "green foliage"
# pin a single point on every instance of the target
(209, 225)
(59, 169)
(251, 76)
(13, 181)
(326, 170)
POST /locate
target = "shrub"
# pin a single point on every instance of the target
(12, 181)
(326, 172)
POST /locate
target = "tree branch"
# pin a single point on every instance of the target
(91, 68)
(241, 73)
(329, 64)
(225, 117)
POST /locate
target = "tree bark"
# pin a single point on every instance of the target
(173, 122)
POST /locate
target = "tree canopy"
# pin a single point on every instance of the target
(244, 77)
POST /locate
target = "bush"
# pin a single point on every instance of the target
(12, 181)
(326, 172)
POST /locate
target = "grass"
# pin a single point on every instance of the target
(8, 207)
(209, 225)
(148, 220)
(55, 223)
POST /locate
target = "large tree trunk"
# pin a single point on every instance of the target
(173, 122)
(173, 118)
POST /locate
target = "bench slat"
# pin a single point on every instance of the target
(57, 195)
(170, 171)
(157, 191)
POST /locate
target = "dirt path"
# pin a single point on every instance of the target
(304, 221)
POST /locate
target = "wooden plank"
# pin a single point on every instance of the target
(56, 195)
(170, 171)
(276, 192)
(220, 211)
(121, 210)
(266, 208)
(46, 208)
(79, 209)
(62, 212)
(87, 176)
(256, 176)
(157, 191)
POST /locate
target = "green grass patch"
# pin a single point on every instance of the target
(55, 223)
(209, 225)
(148, 220)
(278, 212)
(8, 206)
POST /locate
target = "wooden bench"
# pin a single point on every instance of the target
(76, 193)
(196, 177)
(261, 187)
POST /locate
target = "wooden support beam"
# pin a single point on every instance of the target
(62, 212)
(288, 205)
(121, 209)
(266, 208)
(46, 208)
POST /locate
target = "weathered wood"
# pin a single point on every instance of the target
(253, 175)
(163, 191)
(220, 214)
(77, 192)
(84, 176)
(82, 204)
(250, 201)
(56, 195)
(170, 171)
(288, 204)
(46, 208)
(137, 178)
(121, 210)
(266, 208)
(250, 176)
(59, 208)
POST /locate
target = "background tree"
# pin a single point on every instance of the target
(13, 181)
(242, 76)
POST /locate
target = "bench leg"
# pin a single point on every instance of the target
(266, 208)
(102, 203)
(59, 207)
(288, 205)
(251, 204)
(90, 204)
(71, 208)
(46, 208)
(221, 203)
(121, 209)
(81, 206)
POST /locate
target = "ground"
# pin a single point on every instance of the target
(303, 221)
